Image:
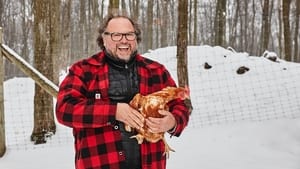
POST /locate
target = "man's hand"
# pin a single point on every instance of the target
(129, 116)
(159, 125)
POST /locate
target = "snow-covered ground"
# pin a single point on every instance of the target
(240, 121)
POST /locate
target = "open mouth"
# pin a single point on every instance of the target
(123, 48)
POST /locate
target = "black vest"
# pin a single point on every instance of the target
(124, 84)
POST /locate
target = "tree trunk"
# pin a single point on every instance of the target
(233, 27)
(123, 6)
(82, 23)
(241, 27)
(2, 120)
(252, 44)
(95, 20)
(149, 33)
(135, 9)
(113, 6)
(220, 21)
(286, 29)
(182, 39)
(157, 23)
(55, 46)
(190, 28)
(296, 46)
(195, 22)
(65, 56)
(165, 24)
(1, 13)
(265, 27)
(45, 42)
(279, 35)
(246, 25)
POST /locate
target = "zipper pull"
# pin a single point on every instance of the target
(126, 66)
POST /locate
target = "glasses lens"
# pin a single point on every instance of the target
(116, 36)
(130, 36)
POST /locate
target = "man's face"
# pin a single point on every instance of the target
(119, 38)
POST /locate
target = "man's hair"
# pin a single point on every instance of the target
(109, 17)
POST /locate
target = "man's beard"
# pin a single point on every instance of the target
(117, 58)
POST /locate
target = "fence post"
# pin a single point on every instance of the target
(2, 121)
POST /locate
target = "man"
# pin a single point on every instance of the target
(93, 100)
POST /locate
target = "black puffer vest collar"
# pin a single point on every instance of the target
(118, 63)
(123, 79)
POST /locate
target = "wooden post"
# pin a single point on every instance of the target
(2, 123)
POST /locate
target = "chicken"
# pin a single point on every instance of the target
(149, 105)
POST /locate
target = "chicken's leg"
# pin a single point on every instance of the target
(167, 148)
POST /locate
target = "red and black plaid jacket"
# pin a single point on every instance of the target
(83, 104)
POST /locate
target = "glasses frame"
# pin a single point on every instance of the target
(119, 36)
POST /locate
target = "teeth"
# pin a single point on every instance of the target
(123, 46)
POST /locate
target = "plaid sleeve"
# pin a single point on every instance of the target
(181, 114)
(77, 106)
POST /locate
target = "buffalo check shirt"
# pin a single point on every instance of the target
(83, 104)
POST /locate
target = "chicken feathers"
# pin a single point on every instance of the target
(149, 106)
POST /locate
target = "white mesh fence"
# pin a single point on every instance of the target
(262, 90)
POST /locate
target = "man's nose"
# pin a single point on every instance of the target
(123, 39)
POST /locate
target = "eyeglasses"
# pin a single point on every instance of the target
(115, 36)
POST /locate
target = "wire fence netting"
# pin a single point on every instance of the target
(226, 87)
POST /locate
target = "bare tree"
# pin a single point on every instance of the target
(182, 39)
(182, 42)
(233, 33)
(244, 33)
(157, 21)
(194, 42)
(190, 28)
(220, 21)
(45, 47)
(149, 32)
(265, 27)
(232, 22)
(164, 23)
(286, 29)
(113, 6)
(93, 23)
(82, 29)
(280, 29)
(65, 39)
(296, 46)
(252, 45)
(1, 12)
(26, 25)
(2, 120)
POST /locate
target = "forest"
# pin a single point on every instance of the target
(51, 35)
(252, 26)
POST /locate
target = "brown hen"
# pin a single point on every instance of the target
(149, 106)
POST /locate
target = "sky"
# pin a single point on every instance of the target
(246, 120)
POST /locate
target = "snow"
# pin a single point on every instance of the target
(240, 121)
